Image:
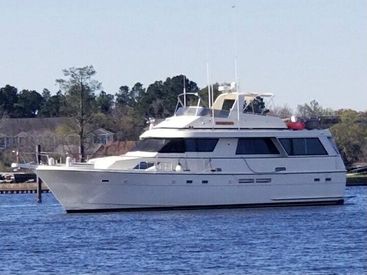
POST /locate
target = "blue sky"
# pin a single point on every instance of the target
(297, 49)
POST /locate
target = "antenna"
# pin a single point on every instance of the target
(184, 90)
(210, 87)
(208, 84)
(212, 97)
(235, 62)
(210, 93)
(237, 91)
(211, 104)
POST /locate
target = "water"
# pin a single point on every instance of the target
(42, 239)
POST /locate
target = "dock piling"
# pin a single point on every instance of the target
(39, 181)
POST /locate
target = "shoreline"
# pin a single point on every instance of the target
(356, 180)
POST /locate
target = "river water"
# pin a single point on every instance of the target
(42, 239)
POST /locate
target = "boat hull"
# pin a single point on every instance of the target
(91, 190)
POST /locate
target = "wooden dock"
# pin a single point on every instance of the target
(21, 188)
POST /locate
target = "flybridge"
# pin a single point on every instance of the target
(247, 121)
(223, 112)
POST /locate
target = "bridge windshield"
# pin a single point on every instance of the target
(201, 111)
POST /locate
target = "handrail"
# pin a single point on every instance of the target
(249, 167)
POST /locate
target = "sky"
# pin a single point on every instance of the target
(299, 50)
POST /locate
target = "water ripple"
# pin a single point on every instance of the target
(42, 239)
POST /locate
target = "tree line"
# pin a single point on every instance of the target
(125, 112)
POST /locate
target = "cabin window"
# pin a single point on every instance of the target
(189, 145)
(256, 146)
(200, 144)
(150, 145)
(227, 104)
(176, 145)
(303, 146)
(333, 143)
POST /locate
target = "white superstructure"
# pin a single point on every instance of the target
(207, 157)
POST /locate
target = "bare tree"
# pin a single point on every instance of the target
(281, 111)
(79, 87)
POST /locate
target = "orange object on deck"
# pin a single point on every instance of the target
(298, 125)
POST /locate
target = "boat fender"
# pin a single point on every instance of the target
(178, 167)
(51, 161)
(68, 161)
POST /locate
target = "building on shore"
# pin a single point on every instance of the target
(54, 134)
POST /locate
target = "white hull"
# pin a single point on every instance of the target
(207, 158)
(91, 190)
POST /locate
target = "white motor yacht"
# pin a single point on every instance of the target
(207, 157)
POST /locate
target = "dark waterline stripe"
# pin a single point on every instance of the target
(200, 207)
